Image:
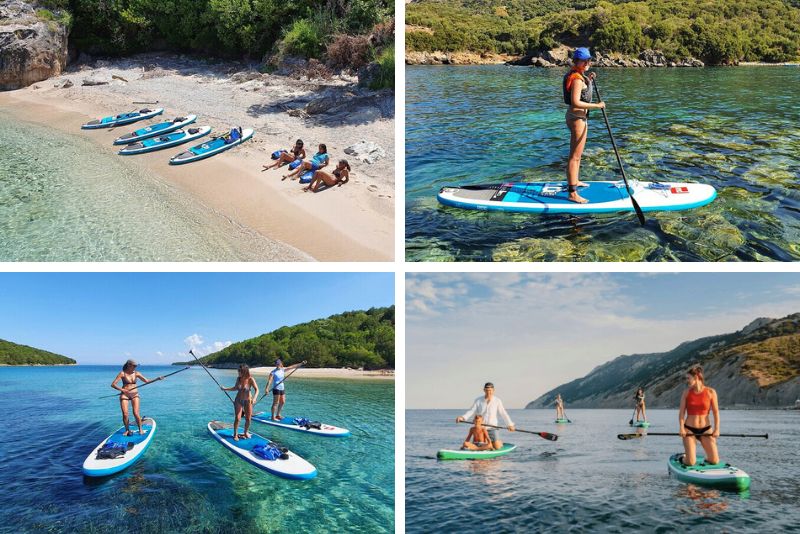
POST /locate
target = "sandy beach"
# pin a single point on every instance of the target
(354, 222)
(331, 373)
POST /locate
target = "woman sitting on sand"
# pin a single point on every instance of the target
(339, 176)
(128, 393)
(318, 161)
(243, 404)
(577, 89)
(696, 403)
(478, 437)
(288, 156)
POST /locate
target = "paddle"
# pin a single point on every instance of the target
(212, 376)
(636, 207)
(565, 415)
(282, 381)
(143, 385)
(643, 434)
(544, 435)
(630, 423)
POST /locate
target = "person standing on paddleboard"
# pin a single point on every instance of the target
(559, 402)
(577, 89)
(696, 403)
(276, 378)
(640, 414)
(243, 403)
(128, 393)
(489, 407)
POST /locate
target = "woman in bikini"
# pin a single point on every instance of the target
(696, 403)
(129, 375)
(577, 89)
(339, 176)
(243, 403)
(478, 437)
(559, 402)
(288, 156)
(639, 413)
(317, 161)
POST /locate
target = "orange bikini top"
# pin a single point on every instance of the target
(698, 403)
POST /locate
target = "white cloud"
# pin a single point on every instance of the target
(159, 353)
(197, 344)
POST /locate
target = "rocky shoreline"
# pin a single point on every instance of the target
(557, 57)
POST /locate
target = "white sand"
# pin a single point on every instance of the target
(330, 372)
(354, 222)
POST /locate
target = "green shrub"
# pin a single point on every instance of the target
(385, 77)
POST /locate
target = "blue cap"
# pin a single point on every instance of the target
(582, 53)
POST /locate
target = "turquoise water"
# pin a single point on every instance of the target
(187, 481)
(594, 482)
(62, 199)
(733, 128)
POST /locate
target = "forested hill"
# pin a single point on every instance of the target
(14, 354)
(714, 31)
(352, 339)
(758, 366)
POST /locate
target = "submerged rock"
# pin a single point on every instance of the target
(31, 50)
(710, 236)
(634, 246)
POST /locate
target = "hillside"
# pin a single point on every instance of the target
(14, 354)
(351, 339)
(714, 31)
(758, 366)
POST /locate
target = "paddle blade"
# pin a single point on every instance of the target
(548, 436)
(630, 436)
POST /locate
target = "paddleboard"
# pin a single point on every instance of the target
(460, 454)
(155, 129)
(723, 476)
(562, 421)
(164, 141)
(641, 424)
(292, 424)
(552, 197)
(95, 467)
(122, 118)
(294, 467)
(208, 149)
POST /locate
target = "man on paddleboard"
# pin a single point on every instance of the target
(488, 406)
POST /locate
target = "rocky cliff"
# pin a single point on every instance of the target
(33, 45)
(757, 366)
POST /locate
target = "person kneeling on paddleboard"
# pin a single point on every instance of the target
(128, 393)
(276, 378)
(478, 438)
(696, 403)
(243, 403)
(577, 89)
(488, 407)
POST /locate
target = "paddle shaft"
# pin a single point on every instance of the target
(636, 206)
(212, 376)
(674, 434)
(540, 434)
(279, 383)
(143, 385)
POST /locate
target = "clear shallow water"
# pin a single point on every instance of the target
(734, 128)
(592, 481)
(186, 481)
(61, 199)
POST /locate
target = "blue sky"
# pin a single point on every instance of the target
(104, 318)
(530, 332)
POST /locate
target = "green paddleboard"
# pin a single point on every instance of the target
(459, 454)
(722, 476)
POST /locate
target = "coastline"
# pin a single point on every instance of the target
(332, 372)
(354, 222)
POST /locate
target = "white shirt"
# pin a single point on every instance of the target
(489, 410)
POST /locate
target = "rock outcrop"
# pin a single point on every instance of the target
(31, 49)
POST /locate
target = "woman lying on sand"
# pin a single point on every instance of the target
(288, 156)
(318, 161)
(339, 176)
